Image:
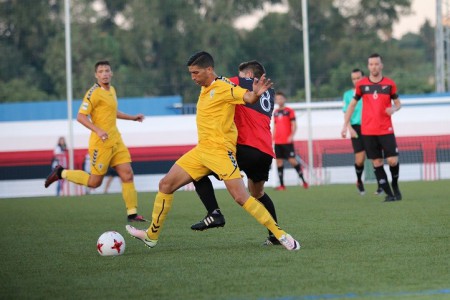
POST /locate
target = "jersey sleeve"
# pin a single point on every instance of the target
(291, 114)
(88, 101)
(358, 93)
(394, 94)
(237, 95)
(346, 99)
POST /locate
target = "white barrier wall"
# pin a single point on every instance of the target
(423, 120)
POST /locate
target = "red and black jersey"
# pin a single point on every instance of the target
(253, 120)
(376, 97)
(283, 119)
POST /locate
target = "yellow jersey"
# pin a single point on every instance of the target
(215, 114)
(101, 106)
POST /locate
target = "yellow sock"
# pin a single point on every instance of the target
(260, 213)
(162, 205)
(129, 195)
(76, 176)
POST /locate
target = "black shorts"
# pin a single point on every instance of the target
(357, 143)
(380, 146)
(284, 151)
(255, 163)
(111, 172)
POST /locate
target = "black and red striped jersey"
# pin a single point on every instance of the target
(376, 97)
(253, 120)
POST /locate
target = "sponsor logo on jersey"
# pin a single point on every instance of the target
(84, 106)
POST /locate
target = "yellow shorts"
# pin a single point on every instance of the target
(200, 162)
(102, 158)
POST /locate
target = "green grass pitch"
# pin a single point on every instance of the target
(354, 247)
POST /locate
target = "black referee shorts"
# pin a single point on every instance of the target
(357, 143)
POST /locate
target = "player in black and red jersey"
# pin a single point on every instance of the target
(283, 136)
(254, 150)
(380, 102)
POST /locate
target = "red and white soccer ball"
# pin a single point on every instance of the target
(111, 243)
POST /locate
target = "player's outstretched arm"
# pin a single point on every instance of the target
(124, 116)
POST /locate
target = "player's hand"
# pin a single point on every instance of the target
(261, 85)
(353, 133)
(139, 117)
(103, 135)
(344, 132)
(390, 111)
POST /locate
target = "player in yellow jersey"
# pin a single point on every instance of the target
(215, 151)
(98, 112)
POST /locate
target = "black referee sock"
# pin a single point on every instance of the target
(280, 175)
(359, 171)
(383, 180)
(205, 191)
(395, 170)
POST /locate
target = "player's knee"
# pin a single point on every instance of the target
(165, 186)
(240, 199)
(94, 184)
(128, 177)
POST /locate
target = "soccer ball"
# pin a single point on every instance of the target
(111, 243)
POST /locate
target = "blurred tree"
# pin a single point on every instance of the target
(25, 29)
(148, 43)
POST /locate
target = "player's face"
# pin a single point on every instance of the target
(201, 76)
(356, 76)
(103, 74)
(280, 100)
(375, 66)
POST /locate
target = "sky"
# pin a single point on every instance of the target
(421, 10)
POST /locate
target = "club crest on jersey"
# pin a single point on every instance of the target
(211, 94)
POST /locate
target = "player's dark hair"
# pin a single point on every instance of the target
(281, 94)
(358, 70)
(254, 66)
(375, 55)
(102, 63)
(201, 59)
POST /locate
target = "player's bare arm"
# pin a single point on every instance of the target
(259, 87)
(347, 116)
(86, 122)
(293, 130)
(124, 116)
(396, 107)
